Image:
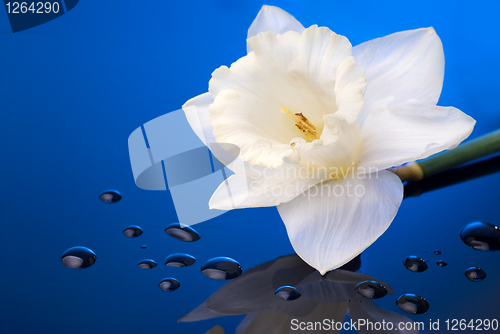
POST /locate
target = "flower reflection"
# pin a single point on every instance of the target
(329, 297)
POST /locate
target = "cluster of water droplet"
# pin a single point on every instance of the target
(219, 268)
(477, 235)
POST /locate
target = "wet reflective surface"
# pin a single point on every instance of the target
(76, 87)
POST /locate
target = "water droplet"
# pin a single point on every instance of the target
(442, 263)
(221, 268)
(287, 292)
(132, 231)
(481, 236)
(110, 196)
(415, 264)
(180, 260)
(147, 264)
(78, 257)
(371, 289)
(169, 284)
(182, 232)
(437, 252)
(413, 304)
(475, 274)
(144, 246)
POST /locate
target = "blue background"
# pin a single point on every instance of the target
(73, 89)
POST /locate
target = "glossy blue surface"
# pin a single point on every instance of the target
(73, 89)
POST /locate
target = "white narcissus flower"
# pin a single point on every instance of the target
(318, 122)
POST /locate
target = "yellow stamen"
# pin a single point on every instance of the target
(302, 123)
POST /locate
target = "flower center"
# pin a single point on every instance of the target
(303, 124)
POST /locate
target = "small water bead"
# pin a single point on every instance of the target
(441, 263)
(481, 236)
(144, 246)
(180, 260)
(221, 268)
(132, 231)
(110, 196)
(437, 252)
(78, 257)
(147, 264)
(169, 284)
(475, 274)
(371, 289)
(182, 232)
(412, 304)
(415, 264)
(287, 292)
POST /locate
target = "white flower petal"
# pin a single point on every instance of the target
(327, 231)
(410, 131)
(405, 65)
(196, 111)
(305, 73)
(258, 186)
(275, 20)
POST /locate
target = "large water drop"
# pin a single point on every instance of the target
(481, 236)
(221, 268)
(182, 232)
(78, 257)
(371, 289)
(169, 284)
(475, 274)
(132, 231)
(415, 264)
(413, 304)
(287, 292)
(147, 264)
(180, 260)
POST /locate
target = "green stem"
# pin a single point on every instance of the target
(472, 150)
